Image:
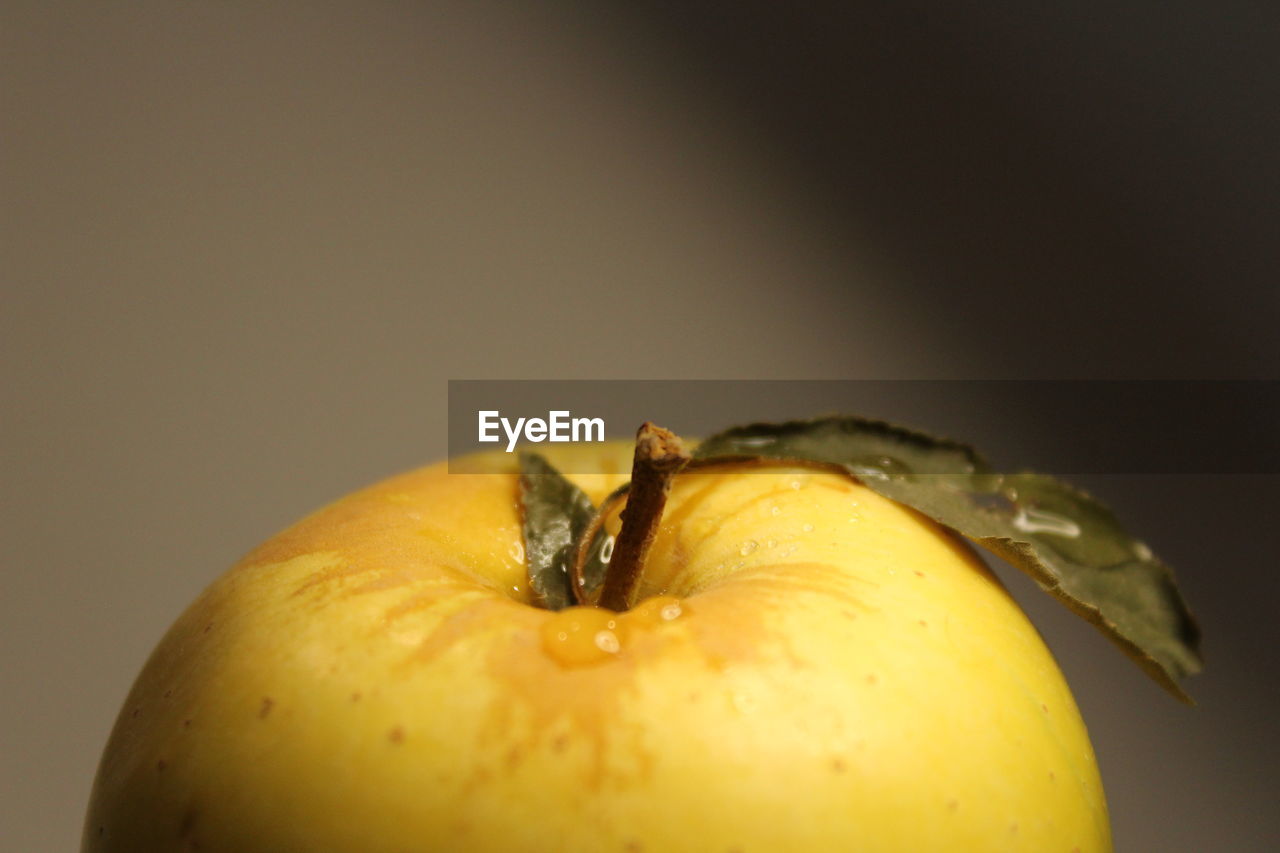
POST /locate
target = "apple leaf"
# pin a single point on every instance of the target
(556, 512)
(849, 442)
(1070, 543)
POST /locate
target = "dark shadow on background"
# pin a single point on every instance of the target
(1082, 189)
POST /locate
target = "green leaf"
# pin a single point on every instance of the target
(1066, 540)
(849, 442)
(556, 513)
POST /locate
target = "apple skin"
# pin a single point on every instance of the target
(840, 674)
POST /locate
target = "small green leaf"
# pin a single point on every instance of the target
(1066, 540)
(556, 512)
(850, 442)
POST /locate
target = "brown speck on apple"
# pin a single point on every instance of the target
(871, 678)
(161, 765)
(267, 704)
(355, 697)
(396, 735)
(838, 765)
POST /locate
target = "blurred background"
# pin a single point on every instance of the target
(247, 244)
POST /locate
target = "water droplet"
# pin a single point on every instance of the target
(881, 468)
(808, 528)
(517, 551)
(607, 641)
(606, 549)
(775, 510)
(1031, 520)
(747, 547)
(655, 611)
(758, 441)
(993, 502)
(771, 543)
(582, 636)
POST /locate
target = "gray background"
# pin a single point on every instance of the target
(246, 245)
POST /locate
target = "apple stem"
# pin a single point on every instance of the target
(659, 455)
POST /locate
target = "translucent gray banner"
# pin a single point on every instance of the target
(1057, 427)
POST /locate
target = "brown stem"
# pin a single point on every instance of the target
(659, 455)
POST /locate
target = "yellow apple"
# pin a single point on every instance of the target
(811, 667)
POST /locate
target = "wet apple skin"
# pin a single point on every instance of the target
(817, 668)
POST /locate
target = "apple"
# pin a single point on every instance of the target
(808, 666)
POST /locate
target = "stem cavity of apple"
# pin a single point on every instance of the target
(659, 456)
(657, 464)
